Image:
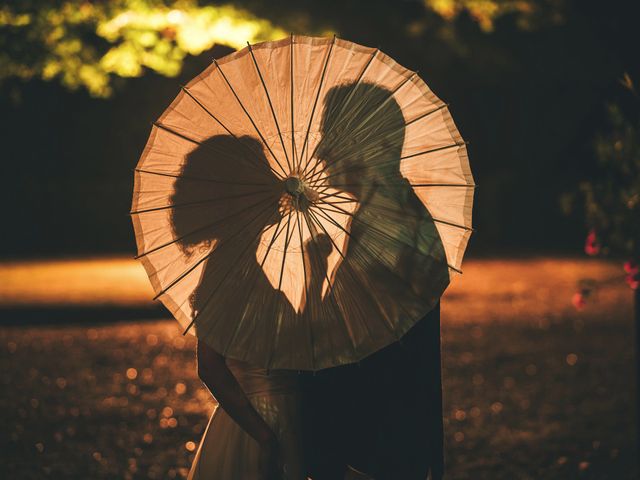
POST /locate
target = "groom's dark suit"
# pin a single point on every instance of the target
(382, 416)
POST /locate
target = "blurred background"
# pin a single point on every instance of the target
(538, 332)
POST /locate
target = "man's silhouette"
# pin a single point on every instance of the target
(383, 415)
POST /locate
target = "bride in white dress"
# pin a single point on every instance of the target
(255, 432)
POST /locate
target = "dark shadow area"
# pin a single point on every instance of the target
(81, 315)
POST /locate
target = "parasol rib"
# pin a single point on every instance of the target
(236, 330)
(293, 137)
(467, 185)
(199, 202)
(259, 163)
(204, 306)
(337, 195)
(451, 224)
(276, 334)
(352, 273)
(307, 304)
(394, 273)
(348, 99)
(315, 103)
(322, 211)
(381, 164)
(205, 145)
(368, 225)
(199, 179)
(384, 234)
(266, 91)
(313, 172)
(406, 124)
(437, 149)
(249, 116)
(375, 148)
(190, 269)
(213, 224)
(346, 212)
(338, 314)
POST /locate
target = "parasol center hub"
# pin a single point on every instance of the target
(294, 186)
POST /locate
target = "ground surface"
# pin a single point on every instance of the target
(533, 389)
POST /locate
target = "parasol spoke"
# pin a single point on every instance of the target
(337, 195)
(351, 270)
(374, 165)
(212, 294)
(178, 134)
(437, 149)
(191, 268)
(293, 137)
(338, 314)
(356, 304)
(205, 227)
(238, 325)
(380, 207)
(457, 270)
(249, 117)
(320, 189)
(363, 141)
(254, 155)
(287, 239)
(392, 272)
(374, 229)
(313, 172)
(342, 107)
(340, 202)
(451, 224)
(274, 237)
(199, 179)
(238, 257)
(273, 113)
(307, 304)
(199, 202)
(315, 103)
(466, 185)
(406, 124)
(332, 210)
(276, 333)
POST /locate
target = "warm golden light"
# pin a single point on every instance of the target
(140, 35)
(486, 12)
(510, 289)
(95, 281)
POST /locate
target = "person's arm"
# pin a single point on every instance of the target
(214, 373)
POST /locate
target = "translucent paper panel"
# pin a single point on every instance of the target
(301, 203)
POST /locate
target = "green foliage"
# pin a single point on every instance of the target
(84, 44)
(612, 197)
(529, 13)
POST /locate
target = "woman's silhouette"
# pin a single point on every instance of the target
(225, 198)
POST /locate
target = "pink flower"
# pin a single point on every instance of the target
(631, 267)
(579, 300)
(633, 281)
(591, 245)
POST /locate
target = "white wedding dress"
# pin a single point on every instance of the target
(227, 452)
